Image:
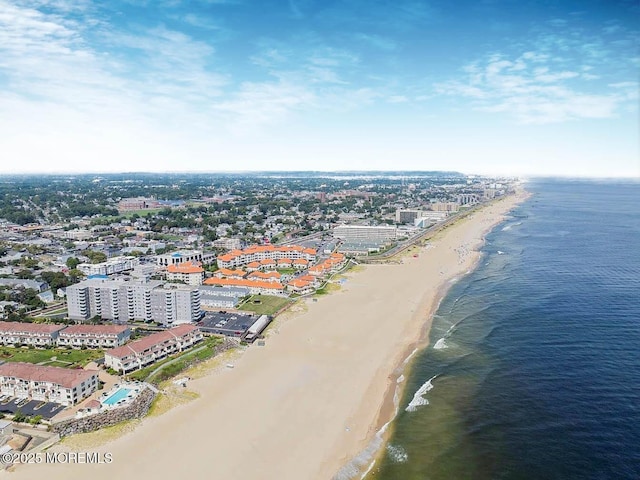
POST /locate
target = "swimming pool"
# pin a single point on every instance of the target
(116, 396)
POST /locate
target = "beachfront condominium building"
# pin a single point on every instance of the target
(175, 304)
(122, 301)
(365, 233)
(417, 217)
(189, 272)
(150, 349)
(65, 386)
(259, 253)
(32, 334)
(110, 267)
(94, 336)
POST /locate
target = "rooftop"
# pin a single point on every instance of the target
(67, 377)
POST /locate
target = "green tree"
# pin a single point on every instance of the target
(72, 262)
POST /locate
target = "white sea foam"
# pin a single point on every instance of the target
(406, 360)
(440, 344)
(418, 398)
(397, 453)
(400, 379)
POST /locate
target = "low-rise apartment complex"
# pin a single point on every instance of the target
(150, 349)
(190, 273)
(35, 334)
(94, 336)
(258, 253)
(65, 386)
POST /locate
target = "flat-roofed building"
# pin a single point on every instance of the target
(35, 334)
(212, 297)
(175, 304)
(110, 267)
(94, 336)
(66, 386)
(227, 243)
(122, 301)
(366, 233)
(150, 349)
(185, 256)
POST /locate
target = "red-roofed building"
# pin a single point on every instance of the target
(255, 286)
(257, 253)
(264, 276)
(94, 336)
(22, 333)
(150, 349)
(228, 273)
(190, 273)
(300, 263)
(301, 287)
(66, 386)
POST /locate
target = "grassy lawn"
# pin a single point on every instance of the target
(286, 271)
(35, 355)
(328, 288)
(140, 213)
(175, 364)
(264, 304)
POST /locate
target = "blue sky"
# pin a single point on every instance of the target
(489, 87)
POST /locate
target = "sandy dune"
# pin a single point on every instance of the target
(306, 403)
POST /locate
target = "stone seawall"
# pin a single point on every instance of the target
(137, 409)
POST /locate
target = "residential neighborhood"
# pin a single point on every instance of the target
(110, 279)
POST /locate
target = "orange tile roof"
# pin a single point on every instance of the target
(231, 273)
(243, 282)
(227, 257)
(186, 267)
(301, 261)
(299, 283)
(264, 275)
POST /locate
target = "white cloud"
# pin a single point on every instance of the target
(532, 88)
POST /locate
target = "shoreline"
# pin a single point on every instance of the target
(390, 406)
(307, 394)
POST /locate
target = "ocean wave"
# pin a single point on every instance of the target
(400, 379)
(418, 398)
(397, 454)
(508, 227)
(365, 458)
(406, 360)
(440, 344)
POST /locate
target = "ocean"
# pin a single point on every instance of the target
(532, 369)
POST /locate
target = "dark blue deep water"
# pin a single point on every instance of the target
(533, 364)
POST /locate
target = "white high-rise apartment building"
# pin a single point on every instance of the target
(123, 301)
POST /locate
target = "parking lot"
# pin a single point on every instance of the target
(226, 323)
(31, 408)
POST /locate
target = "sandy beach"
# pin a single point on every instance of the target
(314, 396)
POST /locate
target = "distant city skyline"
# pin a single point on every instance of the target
(494, 87)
